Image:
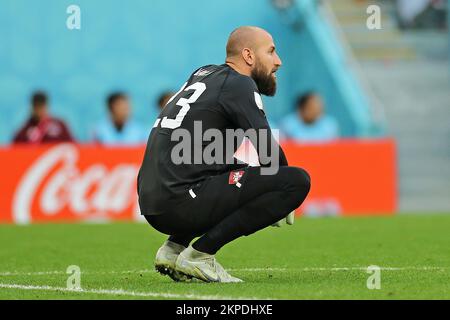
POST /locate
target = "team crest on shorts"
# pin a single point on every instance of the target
(234, 178)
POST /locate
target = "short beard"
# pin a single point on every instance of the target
(266, 83)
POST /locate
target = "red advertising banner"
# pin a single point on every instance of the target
(69, 182)
(349, 177)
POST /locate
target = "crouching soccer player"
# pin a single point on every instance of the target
(222, 201)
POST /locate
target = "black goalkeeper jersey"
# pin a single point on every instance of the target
(217, 97)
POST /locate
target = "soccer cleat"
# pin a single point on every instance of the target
(166, 258)
(202, 266)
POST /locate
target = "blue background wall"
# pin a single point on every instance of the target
(142, 47)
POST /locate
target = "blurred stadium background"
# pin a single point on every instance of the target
(388, 89)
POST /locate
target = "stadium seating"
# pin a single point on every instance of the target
(146, 48)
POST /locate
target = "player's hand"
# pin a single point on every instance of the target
(289, 220)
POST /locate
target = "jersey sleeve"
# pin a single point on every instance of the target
(242, 104)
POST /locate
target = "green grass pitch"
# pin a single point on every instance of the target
(314, 259)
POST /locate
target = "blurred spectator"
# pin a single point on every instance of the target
(163, 98)
(422, 13)
(41, 127)
(308, 123)
(119, 129)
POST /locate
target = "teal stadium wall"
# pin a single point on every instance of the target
(144, 47)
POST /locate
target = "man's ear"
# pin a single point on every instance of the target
(249, 56)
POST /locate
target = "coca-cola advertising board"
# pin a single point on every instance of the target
(69, 182)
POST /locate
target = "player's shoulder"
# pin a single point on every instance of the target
(206, 70)
(239, 84)
(208, 73)
(232, 80)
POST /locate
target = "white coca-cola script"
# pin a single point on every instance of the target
(95, 192)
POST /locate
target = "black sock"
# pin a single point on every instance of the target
(182, 240)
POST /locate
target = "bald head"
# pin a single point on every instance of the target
(245, 37)
(251, 52)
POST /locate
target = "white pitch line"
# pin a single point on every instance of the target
(121, 292)
(38, 273)
(335, 269)
(305, 269)
(258, 269)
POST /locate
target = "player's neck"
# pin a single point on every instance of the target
(239, 69)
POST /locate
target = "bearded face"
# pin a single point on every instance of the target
(265, 79)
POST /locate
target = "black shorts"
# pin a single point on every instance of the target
(209, 202)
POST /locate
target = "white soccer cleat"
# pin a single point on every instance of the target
(203, 266)
(165, 260)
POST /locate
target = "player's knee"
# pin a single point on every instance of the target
(305, 179)
(301, 183)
